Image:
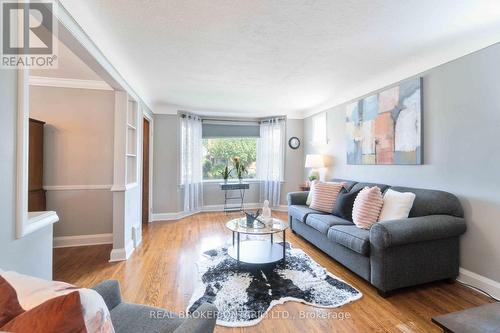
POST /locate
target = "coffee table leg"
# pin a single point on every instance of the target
(233, 238)
(271, 238)
(284, 245)
(238, 247)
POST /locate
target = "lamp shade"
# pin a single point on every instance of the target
(314, 161)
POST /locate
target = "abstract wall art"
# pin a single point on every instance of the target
(385, 128)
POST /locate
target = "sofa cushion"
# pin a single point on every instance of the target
(348, 184)
(141, 318)
(432, 202)
(360, 186)
(344, 203)
(300, 212)
(351, 237)
(323, 222)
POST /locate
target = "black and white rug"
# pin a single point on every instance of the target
(244, 296)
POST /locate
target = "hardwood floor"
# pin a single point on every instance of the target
(162, 272)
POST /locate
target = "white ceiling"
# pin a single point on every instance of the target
(269, 57)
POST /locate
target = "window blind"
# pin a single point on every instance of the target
(230, 130)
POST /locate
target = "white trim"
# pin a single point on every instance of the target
(220, 208)
(490, 286)
(22, 152)
(120, 143)
(137, 234)
(83, 240)
(131, 186)
(118, 188)
(26, 222)
(38, 220)
(171, 216)
(207, 208)
(148, 115)
(57, 82)
(76, 187)
(230, 181)
(122, 254)
(280, 208)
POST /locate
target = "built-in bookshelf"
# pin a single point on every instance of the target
(131, 142)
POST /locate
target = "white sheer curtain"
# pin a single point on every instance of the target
(271, 159)
(191, 168)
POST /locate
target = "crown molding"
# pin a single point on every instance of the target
(58, 82)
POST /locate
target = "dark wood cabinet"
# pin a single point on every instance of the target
(36, 193)
(305, 187)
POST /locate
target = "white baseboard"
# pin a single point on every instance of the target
(207, 208)
(170, 216)
(220, 208)
(123, 253)
(490, 286)
(281, 208)
(82, 240)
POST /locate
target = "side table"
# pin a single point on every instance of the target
(234, 191)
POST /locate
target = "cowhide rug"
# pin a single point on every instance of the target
(244, 296)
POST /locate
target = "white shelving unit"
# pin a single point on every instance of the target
(131, 152)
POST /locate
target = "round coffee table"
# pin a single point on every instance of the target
(257, 251)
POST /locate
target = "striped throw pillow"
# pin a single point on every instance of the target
(367, 207)
(324, 196)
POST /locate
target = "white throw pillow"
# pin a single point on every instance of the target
(397, 205)
(310, 194)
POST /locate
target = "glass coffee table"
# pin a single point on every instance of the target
(257, 251)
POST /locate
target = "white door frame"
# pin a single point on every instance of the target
(146, 114)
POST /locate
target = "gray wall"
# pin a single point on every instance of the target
(31, 254)
(78, 150)
(461, 125)
(168, 195)
(294, 159)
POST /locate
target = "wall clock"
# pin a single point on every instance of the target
(294, 142)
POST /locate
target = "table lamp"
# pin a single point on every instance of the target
(315, 162)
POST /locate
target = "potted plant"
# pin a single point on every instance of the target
(239, 167)
(225, 173)
(312, 178)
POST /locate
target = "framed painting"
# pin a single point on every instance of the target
(386, 128)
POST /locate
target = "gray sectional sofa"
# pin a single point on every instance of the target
(392, 254)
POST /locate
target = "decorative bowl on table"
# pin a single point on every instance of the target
(252, 220)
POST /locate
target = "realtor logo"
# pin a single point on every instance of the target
(28, 30)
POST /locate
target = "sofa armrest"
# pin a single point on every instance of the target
(416, 229)
(202, 320)
(110, 292)
(297, 198)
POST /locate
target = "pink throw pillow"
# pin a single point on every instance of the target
(367, 207)
(324, 196)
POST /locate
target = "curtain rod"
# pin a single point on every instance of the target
(231, 120)
(239, 120)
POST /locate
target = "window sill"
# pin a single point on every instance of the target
(210, 182)
(218, 181)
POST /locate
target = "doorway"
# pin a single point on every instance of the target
(145, 170)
